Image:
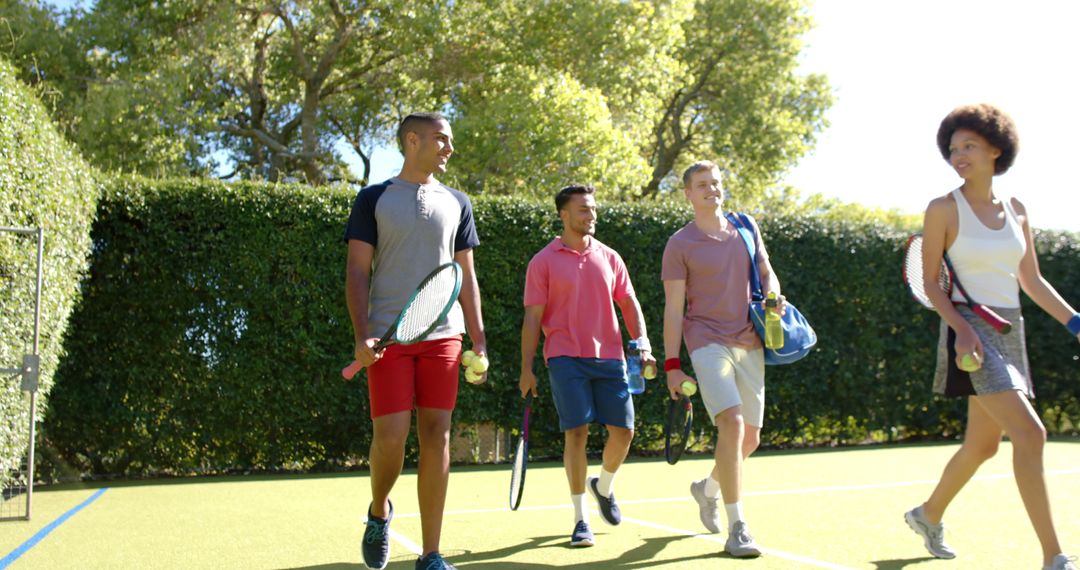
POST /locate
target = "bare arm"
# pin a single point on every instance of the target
(1032, 281)
(530, 336)
(770, 283)
(357, 286)
(635, 325)
(470, 303)
(674, 307)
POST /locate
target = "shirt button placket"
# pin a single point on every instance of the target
(421, 203)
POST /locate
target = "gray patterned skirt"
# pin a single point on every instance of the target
(1005, 366)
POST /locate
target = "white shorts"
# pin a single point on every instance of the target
(729, 376)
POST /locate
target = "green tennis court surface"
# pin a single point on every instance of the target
(827, 509)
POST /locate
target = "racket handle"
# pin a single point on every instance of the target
(993, 319)
(349, 371)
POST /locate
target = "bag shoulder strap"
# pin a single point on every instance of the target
(746, 231)
(749, 237)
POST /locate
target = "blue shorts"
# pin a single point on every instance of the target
(589, 390)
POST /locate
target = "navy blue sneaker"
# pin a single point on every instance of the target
(609, 511)
(376, 545)
(582, 535)
(433, 561)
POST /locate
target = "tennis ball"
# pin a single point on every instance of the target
(968, 363)
(467, 358)
(650, 372)
(473, 377)
(689, 388)
(479, 364)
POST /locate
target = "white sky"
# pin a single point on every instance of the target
(899, 67)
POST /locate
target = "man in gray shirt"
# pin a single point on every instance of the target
(399, 231)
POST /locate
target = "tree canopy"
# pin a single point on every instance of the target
(615, 93)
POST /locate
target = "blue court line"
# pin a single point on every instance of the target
(33, 540)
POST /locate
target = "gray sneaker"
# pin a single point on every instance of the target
(708, 508)
(740, 544)
(933, 534)
(1063, 562)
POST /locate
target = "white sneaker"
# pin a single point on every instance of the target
(1063, 562)
(933, 534)
(708, 508)
(740, 544)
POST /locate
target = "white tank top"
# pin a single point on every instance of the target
(986, 261)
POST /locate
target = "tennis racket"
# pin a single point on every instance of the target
(521, 458)
(913, 277)
(429, 304)
(680, 417)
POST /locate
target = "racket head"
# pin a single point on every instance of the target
(913, 272)
(428, 305)
(680, 418)
(521, 458)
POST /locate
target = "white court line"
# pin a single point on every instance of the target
(413, 547)
(408, 544)
(718, 540)
(803, 491)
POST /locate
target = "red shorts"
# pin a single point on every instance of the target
(426, 371)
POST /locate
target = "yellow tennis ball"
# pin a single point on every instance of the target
(467, 358)
(968, 363)
(689, 388)
(650, 372)
(473, 377)
(479, 364)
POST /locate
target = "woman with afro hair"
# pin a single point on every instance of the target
(988, 240)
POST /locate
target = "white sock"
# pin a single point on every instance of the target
(734, 514)
(712, 487)
(580, 512)
(605, 484)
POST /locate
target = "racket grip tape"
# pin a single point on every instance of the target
(349, 371)
(993, 319)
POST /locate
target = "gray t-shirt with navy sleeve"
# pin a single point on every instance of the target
(414, 228)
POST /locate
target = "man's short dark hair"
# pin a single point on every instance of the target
(411, 124)
(990, 123)
(564, 195)
(695, 168)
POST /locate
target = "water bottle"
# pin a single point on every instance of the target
(774, 331)
(633, 368)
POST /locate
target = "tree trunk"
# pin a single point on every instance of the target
(309, 136)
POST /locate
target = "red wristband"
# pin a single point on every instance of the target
(672, 364)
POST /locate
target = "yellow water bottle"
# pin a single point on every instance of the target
(774, 332)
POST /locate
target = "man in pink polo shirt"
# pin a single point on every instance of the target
(706, 273)
(570, 289)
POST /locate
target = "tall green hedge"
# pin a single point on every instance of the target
(212, 324)
(43, 183)
(213, 327)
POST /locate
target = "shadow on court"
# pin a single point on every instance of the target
(643, 556)
(899, 563)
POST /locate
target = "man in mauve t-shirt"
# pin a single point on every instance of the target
(706, 274)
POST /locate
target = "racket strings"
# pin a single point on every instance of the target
(677, 429)
(517, 475)
(519, 462)
(914, 276)
(427, 305)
